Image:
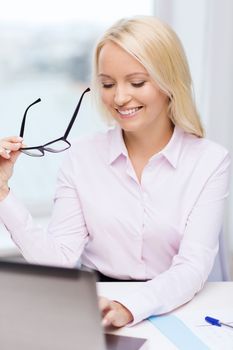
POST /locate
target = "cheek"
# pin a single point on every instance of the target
(105, 97)
(159, 100)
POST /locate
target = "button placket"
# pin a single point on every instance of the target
(142, 195)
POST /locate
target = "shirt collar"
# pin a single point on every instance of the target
(116, 144)
(171, 151)
(173, 148)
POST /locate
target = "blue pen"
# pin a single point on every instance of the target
(216, 322)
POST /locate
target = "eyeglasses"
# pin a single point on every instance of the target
(55, 146)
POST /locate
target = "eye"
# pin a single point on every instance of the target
(138, 84)
(107, 85)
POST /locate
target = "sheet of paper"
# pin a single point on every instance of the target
(214, 337)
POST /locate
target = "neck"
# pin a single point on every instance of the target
(148, 142)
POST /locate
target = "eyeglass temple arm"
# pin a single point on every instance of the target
(24, 117)
(74, 115)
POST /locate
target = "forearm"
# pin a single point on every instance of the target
(170, 289)
(26, 234)
(54, 246)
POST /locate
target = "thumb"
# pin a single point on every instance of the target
(110, 318)
(14, 156)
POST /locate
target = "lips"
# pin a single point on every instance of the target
(129, 112)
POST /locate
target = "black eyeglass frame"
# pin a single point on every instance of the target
(43, 148)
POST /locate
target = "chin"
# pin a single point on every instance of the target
(130, 127)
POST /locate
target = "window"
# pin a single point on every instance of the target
(45, 52)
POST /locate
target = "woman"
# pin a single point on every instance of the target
(143, 201)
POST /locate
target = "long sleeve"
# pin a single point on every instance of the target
(64, 240)
(191, 266)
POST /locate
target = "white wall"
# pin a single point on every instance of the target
(206, 30)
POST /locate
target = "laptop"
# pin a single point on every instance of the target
(53, 308)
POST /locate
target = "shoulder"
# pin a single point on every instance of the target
(204, 149)
(88, 144)
(202, 159)
(87, 150)
(91, 140)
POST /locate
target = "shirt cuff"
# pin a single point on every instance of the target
(140, 303)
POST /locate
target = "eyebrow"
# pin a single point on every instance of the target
(101, 75)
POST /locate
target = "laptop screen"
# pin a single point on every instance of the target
(52, 308)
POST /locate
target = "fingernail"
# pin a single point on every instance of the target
(19, 138)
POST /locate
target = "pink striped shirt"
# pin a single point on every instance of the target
(164, 229)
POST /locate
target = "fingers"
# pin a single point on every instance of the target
(104, 304)
(105, 308)
(114, 313)
(110, 319)
(10, 144)
(117, 317)
(14, 156)
(12, 139)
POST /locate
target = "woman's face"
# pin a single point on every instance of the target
(128, 92)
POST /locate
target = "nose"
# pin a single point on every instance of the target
(121, 96)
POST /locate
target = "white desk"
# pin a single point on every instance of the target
(213, 295)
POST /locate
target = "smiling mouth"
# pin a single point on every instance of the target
(128, 112)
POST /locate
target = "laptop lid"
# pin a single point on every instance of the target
(48, 308)
(52, 308)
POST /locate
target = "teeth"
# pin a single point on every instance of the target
(129, 111)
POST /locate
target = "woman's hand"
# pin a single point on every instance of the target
(114, 313)
(9, 152)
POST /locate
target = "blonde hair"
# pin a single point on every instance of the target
(157, 47)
